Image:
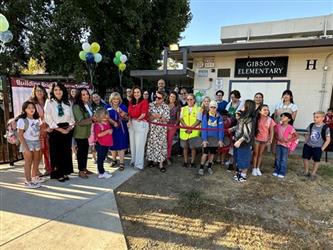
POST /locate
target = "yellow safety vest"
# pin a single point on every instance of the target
(189, 119)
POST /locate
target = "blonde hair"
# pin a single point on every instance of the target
(202, 103)
(99, 113)
(322, 113)
(115, 95)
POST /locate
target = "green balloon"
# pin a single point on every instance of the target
(82, 55)
(4, 25)
(118, 54)
(116, 60)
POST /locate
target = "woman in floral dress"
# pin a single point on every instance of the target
(157, 138)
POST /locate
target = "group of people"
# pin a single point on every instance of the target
(234, 133)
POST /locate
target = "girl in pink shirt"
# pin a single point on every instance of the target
(103, 139)
(264, 135)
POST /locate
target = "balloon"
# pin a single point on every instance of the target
(116, 61)
(94, 47)
(123, 58)
(90, 57)
(4, 25)
(6, 36)
(86, 47)
(198, 97)
(118, 54)
(98, 57)
(122, 67)
(82, 55)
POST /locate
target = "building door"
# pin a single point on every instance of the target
(272, 90)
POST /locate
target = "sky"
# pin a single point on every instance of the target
(210, 15)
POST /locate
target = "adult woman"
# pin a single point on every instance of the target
(146, 95)
(190, 139)
(118, 113)
(173, 103)
(205, 106)
(286, 106)
(97, 102)
(138, 127)
(157, 140)
(235, 104)
(258, 100)
(59, 117)
(83, 119)
(38, 97)
(72, 95)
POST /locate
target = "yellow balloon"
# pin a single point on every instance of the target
(4, 25)
(122, 66)
(94, 47)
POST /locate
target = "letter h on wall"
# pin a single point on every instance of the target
(311, 64)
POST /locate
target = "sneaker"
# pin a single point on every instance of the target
(38, 179)
(230, 168)
(201, 171)
(32, 185)
(106, 175)
(210, 170)
(192, 165)
(185, 165)
(280, 176)
(254, 172)
(236, 177)
(259, 172)
(312, 177)
(275, 174)
(242, 178)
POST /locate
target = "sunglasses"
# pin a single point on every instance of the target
(159, 97)
(60, 110)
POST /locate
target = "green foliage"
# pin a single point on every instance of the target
(55, 29)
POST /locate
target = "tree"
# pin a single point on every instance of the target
(140, 29)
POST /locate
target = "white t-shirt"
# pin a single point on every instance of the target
(291, 106)
(32, 132)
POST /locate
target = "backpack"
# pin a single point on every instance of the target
(12, 131)
(293, 144)
(323, 131)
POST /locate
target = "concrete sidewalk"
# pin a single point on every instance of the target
(77, 214)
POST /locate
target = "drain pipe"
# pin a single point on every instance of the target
(323, 82)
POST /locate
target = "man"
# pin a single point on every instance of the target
(160, 87)
(128, 97)
(222, 104)
(183, 97)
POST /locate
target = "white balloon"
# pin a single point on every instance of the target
(86, 47)
(98, 57)
(6, 36)
(123, 58)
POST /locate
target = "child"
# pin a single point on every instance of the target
(244, 135)
(329, 118)
(223, 155)
(285, 135)
(103, 139)
(211, 139)
(264, 135)
(318, 137)
(28, 126)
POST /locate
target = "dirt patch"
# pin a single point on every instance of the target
(180, 210)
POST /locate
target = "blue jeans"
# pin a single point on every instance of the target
(102, 152)
(281, 160)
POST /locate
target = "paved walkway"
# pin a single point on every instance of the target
(78, 214)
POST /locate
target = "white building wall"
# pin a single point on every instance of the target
(305, 84)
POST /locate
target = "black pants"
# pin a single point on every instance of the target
(102, 152)
(82, 153)
(60, 154)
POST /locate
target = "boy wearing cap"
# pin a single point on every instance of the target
(212, 137)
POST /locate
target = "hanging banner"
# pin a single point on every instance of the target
(22, 90)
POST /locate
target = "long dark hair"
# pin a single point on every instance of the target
(249, 109)
(64, 97)
(256, 131)
(33, 97)
(24, 107)
(133, 100)
(78, 99)
(291, 120)
(288, 92)
(177, 98)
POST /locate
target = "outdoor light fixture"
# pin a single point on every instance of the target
(173, 47)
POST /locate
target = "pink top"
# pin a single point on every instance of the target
(105, 140)
(264, 126)
(281, 134)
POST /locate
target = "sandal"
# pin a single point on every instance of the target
(121, 166)
(83, 175)
(113, 163)
(163, 169)
(87, 171)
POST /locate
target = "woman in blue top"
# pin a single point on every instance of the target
(212, 139)
(118, 113)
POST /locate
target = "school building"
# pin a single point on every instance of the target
(269, 57)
